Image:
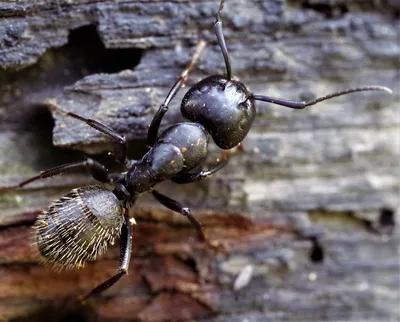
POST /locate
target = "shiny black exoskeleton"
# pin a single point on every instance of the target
(79, 226)
(179, 149)
(222, 107)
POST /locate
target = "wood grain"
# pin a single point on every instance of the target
(312, 206)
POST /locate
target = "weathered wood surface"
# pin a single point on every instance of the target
(326, 171)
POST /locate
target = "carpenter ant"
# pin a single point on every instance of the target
(79, 226)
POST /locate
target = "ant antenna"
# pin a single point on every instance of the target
(221, 40)
(301, 105)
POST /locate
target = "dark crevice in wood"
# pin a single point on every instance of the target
(387, 220)
(329, 10)
(59, 313)
(98, 59)
(83, 55)
(39, 122)
(190, 262)
(317, 251)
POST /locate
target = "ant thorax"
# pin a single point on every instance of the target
(180, 148)
(222, 107)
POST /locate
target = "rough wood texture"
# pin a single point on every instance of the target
(330, 171)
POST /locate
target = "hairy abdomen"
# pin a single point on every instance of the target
(79, 226)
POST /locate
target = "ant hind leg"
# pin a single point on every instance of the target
(125, 256)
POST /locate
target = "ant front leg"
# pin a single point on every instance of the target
(152, 134)
(120, 146)
(125, 256)
(97, 171)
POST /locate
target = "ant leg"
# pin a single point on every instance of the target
(124, 258)
(97, 171)
(152, 134)
(177, 207)
(191, 177)
(120, 146)
(221, 41)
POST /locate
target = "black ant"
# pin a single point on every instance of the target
(79, 226)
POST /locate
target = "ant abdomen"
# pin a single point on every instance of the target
(223, 107)
(79, 226)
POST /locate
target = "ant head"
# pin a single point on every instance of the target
(223, 107)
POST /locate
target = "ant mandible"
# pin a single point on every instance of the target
(79, 226)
